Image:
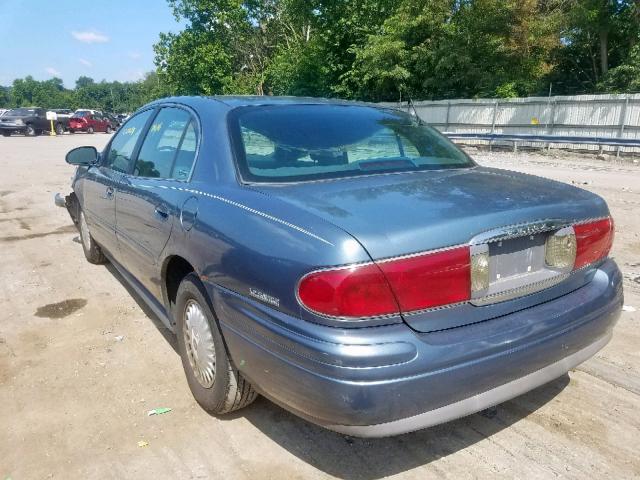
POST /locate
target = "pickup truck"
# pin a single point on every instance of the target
(30, 121)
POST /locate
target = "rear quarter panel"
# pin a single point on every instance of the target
(246, 242)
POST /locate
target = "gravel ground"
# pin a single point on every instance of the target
(82, 361)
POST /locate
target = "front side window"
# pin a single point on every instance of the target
(123, 144)
(167, 146)
(282, 143)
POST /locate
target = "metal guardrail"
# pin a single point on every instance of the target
(525, 137)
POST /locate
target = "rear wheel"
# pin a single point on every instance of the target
(29, 131)
(108, 130)
(6, 134)
(214, 382)
(90, 130)
(59, 129)
(71, 130)
(91, 249)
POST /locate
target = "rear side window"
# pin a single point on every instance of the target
(186, 154)
(123, 144)
(169, 147)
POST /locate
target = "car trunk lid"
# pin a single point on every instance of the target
(402, 214)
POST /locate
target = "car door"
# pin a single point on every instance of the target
(149, 198)
(96, 122)
(41, 123)
(102, 123)
(99, 186)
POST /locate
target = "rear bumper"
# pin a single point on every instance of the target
(477, 402)
(381, 381)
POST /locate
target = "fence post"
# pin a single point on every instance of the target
(446, 128)
(552, 123)
(495, 113)
(623, 120)
(493, 121)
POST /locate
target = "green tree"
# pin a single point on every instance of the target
(597, 36)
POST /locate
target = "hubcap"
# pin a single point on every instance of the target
(198, 341)
(84, 233)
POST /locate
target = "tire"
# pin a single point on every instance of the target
(29, 131)
(91, 249)
(6, 134)
(220, 387)
(59, 129)
(90, 130)
(108, 130)
(71, 130)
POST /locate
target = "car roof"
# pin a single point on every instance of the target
(248, 100)
(235, 101)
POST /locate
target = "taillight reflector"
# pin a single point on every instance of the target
(357, 291)
(389, 287)
(430, 280)
(593, 241)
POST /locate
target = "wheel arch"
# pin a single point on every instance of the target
(174, 269)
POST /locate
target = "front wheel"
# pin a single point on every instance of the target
(59, 129)
(91, 249)
(29, 131)
(71, 130)
(6, 134)
(109, 130)
(214, 382)
(90, 130)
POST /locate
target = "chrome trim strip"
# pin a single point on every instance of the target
(238, 205)
(518, 230)
(528, 228)
(477, 402)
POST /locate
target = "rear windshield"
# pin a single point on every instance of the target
(288, 143)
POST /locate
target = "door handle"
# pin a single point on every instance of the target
(108, 193)
(161, 213)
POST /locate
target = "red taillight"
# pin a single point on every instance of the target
(358, 291)
(593, 241)
(430, 280)
(407, 284)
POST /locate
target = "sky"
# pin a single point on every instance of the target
(110, 40)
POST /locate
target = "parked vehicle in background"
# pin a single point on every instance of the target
(83, 110)
(62, 121)
(85, 121)
(122, 117)
(115, 122)
(64, 112)
(30, 121)
(345, 260)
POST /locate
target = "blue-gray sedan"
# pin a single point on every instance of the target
(345, 260)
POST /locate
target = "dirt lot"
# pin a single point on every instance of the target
(82, 361)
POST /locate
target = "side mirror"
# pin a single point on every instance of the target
(82, 156)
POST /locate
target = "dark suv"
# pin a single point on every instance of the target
(30, 121)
